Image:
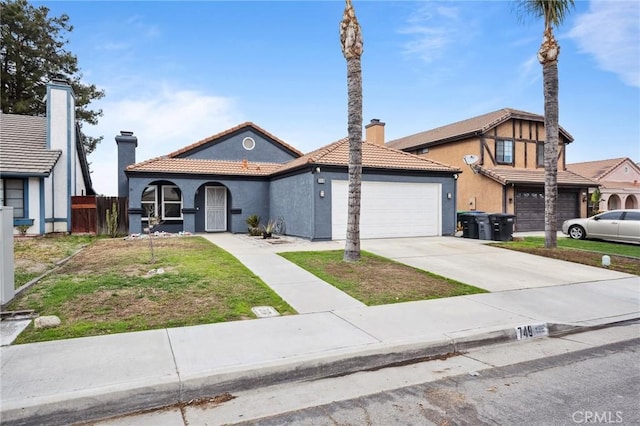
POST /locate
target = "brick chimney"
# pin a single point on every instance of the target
(375, 132)
(127, 144)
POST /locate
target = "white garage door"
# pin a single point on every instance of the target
(389, 209)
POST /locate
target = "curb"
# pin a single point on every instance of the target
(175, 390)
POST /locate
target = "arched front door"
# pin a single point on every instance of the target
(216, 208)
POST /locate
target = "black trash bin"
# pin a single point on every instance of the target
(484, 226)
(469, 221)
(501, 226)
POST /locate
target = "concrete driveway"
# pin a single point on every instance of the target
(494, 269)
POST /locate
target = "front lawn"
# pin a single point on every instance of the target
(375, 280)
(33, 256)
(111, 287)
(624, 257)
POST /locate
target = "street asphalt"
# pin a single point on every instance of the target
(74, 380)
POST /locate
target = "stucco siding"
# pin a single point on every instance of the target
(231, 148)
(292, 199)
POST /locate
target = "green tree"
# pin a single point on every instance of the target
(553, 13)
(32, 53)
(352, 48)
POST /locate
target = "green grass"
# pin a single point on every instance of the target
(603, 247)
(375, 280)
(107, 288)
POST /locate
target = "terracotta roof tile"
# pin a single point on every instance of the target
(596, 170)
(204, 167)
(23, 146)
(465, 128)
(373, 156)
(529, 176)
(335, 154)
(230, 131)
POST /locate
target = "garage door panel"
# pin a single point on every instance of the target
(389, 209)
(529, 208)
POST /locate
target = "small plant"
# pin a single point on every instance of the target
(253, 221)
(22, 229)
(112, 221)
(268, 229)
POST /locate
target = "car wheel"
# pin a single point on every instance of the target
(577, 232)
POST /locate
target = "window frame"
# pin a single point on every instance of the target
(164, 202)
(500, 159)
(143, 203)
(539, 154)
(23, 209)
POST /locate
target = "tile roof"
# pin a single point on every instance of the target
(335, 154)
(23, 146)
(229, 132)
(529, 176)
(466, 128)
(596, 170)
(373, 156)
(205, 167)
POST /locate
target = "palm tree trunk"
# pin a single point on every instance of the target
(354, 123)
(551, 119)
(352, 48)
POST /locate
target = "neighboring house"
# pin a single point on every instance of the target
(619, 181)
(508, 174)
(215, 184)
(43, 164)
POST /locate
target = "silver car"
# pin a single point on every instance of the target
(614, 225)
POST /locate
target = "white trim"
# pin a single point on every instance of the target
(155, 202)
(248, 141)
(164, 203)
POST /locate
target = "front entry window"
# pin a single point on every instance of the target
(162, 201)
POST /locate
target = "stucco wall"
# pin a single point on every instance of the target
(249, 196)
(292, 198)
(230, 148)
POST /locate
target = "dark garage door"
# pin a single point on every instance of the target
(530, 208)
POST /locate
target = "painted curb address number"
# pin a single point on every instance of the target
(531, 331)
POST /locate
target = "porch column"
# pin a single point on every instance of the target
(135, 220)
(189, 220)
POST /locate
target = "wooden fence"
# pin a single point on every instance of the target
(88, 214)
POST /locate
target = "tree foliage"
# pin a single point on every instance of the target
(32, 53)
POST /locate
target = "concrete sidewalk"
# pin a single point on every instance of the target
(74, 380)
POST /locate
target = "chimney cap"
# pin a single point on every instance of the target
(126, 133)
(375, 122)
(60, 79)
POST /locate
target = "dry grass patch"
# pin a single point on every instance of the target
(107, 288)
(375, 280)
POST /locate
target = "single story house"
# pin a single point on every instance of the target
(213, 186)
(618, 180)
(43, 164)
(503, 152)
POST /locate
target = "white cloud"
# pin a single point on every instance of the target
(432, 29)
(610, 31)
(163, 122)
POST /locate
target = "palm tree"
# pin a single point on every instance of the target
(351, 41)
(553, 12)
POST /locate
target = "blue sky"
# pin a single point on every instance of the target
(176, 72)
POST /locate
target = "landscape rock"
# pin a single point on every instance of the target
(47, 321)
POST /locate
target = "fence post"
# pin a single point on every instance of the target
(7, 283)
